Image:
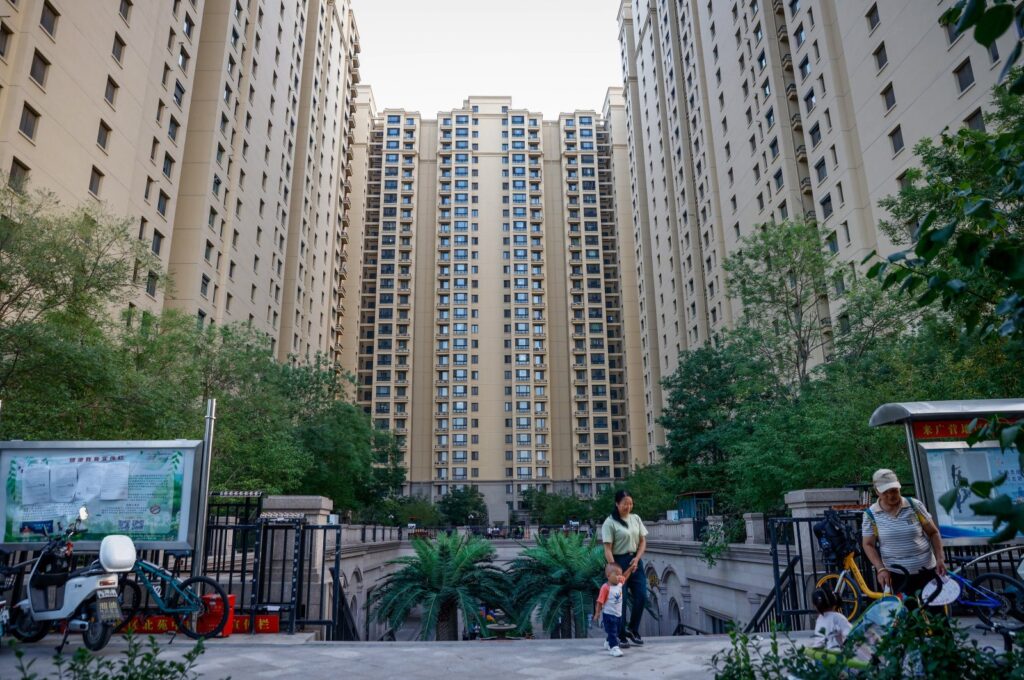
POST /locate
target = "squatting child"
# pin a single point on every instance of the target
(831, 628)
(609, 606)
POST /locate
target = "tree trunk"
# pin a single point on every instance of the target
(448, 622)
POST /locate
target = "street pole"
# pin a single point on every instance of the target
(199, 551)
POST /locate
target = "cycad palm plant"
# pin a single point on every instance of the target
(448, 574)
(558, 579)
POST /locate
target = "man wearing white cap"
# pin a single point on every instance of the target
(898, 530)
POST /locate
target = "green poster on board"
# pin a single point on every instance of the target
(145, 493)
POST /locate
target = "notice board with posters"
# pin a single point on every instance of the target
(147, 490)
(944, 463)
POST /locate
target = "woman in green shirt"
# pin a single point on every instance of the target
(623, 535)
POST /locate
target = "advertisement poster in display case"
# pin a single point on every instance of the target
(144, 489)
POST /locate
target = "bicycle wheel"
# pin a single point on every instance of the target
(198, 618)
(849, 594)
(1008, 592)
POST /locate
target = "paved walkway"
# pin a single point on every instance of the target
(244, 657)
(283, 656)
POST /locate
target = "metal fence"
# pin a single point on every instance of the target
(798, 564)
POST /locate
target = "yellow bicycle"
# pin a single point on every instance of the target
(853, 591)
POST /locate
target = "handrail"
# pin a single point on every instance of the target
(979, 558)
(763, 612)
(682, 628)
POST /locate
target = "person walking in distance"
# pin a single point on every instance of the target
(624, 538)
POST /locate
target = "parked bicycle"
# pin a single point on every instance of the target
(996, 599)
(198, 605)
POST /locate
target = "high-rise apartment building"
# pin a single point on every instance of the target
(94, 106)
(491, 338)
(225, 129)
(748, 112)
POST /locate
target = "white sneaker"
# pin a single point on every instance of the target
(606, 647)
(615, 651)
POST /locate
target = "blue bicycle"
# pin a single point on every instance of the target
(996, 599)
(199, 605)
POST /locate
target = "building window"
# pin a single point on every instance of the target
(204, 286)
(179, 93)
(103, 135)
(158, 242)
(48, 19)
(189, 26)
(778, 180)
(810, 100)
(881, 58)
(872, 17)
(172, 128)
(815, 135)
(821, 170)
(110, 93)
(805, 67)
(888, 97)
(95, 181)
(40, 67)
(5, 39)
(29, 121)
(896, 139)
(125, 9)
(118, 50)
(975, 121)
(826, 206)
(183, 59)
(964, 75)
(18, 176)
(161, 204)
(168, 165)
(151, 280)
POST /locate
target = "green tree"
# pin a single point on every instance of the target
(558, 580)
(445, 576)
(555, 508)
(54, 261)
(702, 412)
(463, 507)
(779, 274)
(654, 489)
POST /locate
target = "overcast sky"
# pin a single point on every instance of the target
(548, 55)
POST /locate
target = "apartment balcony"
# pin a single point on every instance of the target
(777, 5)
(791, 91)
(782, 33)
(801, 153)
(805, 185)
(796, 121)
(810, 216)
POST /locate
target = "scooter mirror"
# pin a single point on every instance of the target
(83, 513)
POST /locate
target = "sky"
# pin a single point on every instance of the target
(550, 56)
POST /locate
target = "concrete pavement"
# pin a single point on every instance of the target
(245, 657)
(283, 656)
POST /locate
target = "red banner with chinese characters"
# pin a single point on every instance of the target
(150, 625)
(944, 429)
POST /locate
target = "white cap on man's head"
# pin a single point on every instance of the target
(884, 479)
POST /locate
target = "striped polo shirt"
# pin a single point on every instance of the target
(901, 538)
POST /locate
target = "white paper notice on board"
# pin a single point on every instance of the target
(90, 481)
(35, 485)
(115, 482)
(63, 479)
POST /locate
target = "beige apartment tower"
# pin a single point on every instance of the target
(748, 112)
(492, 332)
(223, 128)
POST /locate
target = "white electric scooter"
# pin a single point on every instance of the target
(86, 598)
